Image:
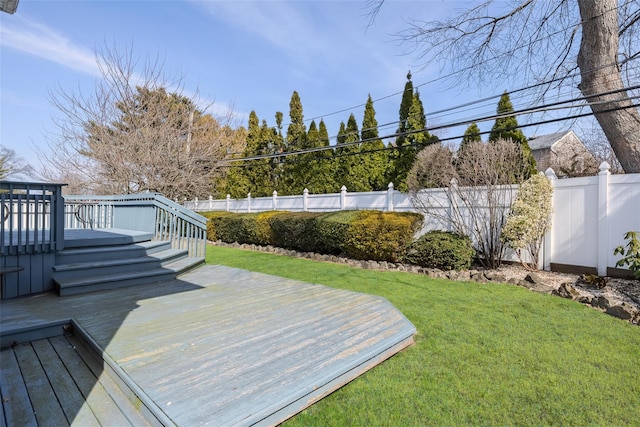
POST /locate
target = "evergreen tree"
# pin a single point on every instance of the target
(506, 128)
(351, 170)
(416, 138)
(374, 157)
(324, 181)
(294, 171)
(258, 172)
(471, 134)
(279, 146)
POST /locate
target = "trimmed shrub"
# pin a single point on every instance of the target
(212, 220)
(441, 249)
(381, 236)
(295, 230)
(251, 228)
(332, 229)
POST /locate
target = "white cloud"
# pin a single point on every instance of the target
(44, 42)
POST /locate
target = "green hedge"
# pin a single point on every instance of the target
(441, 249)
(381, 236)
(357, 234)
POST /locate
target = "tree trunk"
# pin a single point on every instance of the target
(600, 73)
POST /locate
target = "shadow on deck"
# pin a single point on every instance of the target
(225, 346)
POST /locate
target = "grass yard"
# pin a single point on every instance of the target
(484, 354)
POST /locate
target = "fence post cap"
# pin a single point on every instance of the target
(390, 186)
(344, 188)
(228, 196)
(550, 174)
(604, 167)
(305, 191)
(275, 193)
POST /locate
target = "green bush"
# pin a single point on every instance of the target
(357, 234)
(441, 249)
(332, 229)
(295, 230)
(251, 228)
(212, 222)
(380, 236)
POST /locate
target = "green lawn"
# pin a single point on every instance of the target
(485, 354)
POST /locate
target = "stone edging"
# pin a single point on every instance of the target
(608, 301)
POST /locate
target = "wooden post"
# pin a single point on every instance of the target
(603, 218)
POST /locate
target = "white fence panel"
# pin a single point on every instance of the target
(590, 214)
(623, 211)
(323, 202)
(575, 212)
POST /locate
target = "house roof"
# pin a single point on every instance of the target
(542, 142)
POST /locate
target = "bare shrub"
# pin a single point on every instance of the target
(475, 192)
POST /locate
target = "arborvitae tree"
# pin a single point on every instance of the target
(405, 106)
(373, 157)
(318, 167)
(324, 181)
(279, 146)
(416, 138)
(258, 173)
(294, 170)
(471, 134)
(351, 170)
(506, 128)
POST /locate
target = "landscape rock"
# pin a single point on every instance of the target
(622, 311)
(534, 278)
(495, 276)
(566, 290)
(601, 302)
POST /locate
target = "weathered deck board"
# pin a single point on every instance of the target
(43, 399)
(15, 398)
(230, 347)
(70, 399)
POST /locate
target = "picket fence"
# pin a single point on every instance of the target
(590, 215)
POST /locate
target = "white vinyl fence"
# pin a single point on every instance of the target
(590, 215)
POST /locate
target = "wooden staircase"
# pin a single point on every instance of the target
(88, 266)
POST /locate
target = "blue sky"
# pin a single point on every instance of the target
(240, 55)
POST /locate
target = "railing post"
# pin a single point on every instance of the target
(274, 200)
(390, 206)
(59, 218)
(248, 202)
(228, 202)
(305, 200)
(343, 198)
(547, 254)
(603, 218)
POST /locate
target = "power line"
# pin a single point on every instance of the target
(544, 108)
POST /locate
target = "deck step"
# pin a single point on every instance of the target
(103, 253)
(167, 271)
(122, 265)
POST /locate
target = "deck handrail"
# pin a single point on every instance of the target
(32, 218)
(149, 212)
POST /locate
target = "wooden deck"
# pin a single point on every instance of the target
(222, 346)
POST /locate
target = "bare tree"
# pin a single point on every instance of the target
(547, 43)
(135, 132)
(11, 164)
(475, 194)
(596, 142)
